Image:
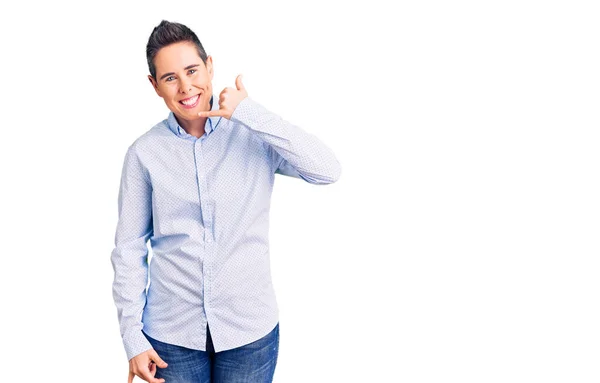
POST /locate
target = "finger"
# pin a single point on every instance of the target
(131, 375)
(149, 378)
(225, 92)
(213, 113)
(158, 360)
(238, 83)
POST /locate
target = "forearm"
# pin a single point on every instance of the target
(304, 152)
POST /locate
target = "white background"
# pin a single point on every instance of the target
(459, 245)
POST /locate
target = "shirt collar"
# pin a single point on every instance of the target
(211, 122)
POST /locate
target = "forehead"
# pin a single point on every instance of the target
(175, 57)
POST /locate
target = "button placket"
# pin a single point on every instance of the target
(203, 188)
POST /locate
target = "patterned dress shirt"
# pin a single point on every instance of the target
(204, 205)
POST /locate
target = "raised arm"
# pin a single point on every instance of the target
(130, 255)
(296, 153)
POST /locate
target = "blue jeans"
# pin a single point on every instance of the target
(252, 363)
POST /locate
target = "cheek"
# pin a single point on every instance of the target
(170, 95)
(203, 80)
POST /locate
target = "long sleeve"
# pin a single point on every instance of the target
(130, 255)
(296, 153)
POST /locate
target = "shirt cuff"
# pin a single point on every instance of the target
(135, 343)
(246, 112)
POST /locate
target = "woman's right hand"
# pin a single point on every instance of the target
(144, 366)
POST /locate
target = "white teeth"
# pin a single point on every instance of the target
(191, 101)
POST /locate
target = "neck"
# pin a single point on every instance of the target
(194, 127)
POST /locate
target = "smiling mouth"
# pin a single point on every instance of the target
(192, 101)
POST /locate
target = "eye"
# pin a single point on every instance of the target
(167, 79)
(193, 70)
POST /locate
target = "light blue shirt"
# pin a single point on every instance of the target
(204, 205)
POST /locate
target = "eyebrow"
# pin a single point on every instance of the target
(172, 73)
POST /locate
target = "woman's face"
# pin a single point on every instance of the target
(181, 75)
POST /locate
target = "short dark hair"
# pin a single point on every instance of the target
(167, 33)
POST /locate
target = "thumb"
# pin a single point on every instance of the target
(157, 359)
(238, 82)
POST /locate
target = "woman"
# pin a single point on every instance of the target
(198, 186)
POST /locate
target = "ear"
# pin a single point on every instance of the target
(209, 66)
(154, 85)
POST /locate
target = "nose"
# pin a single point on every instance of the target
(185, 87)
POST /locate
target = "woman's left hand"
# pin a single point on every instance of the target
(228, 100)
